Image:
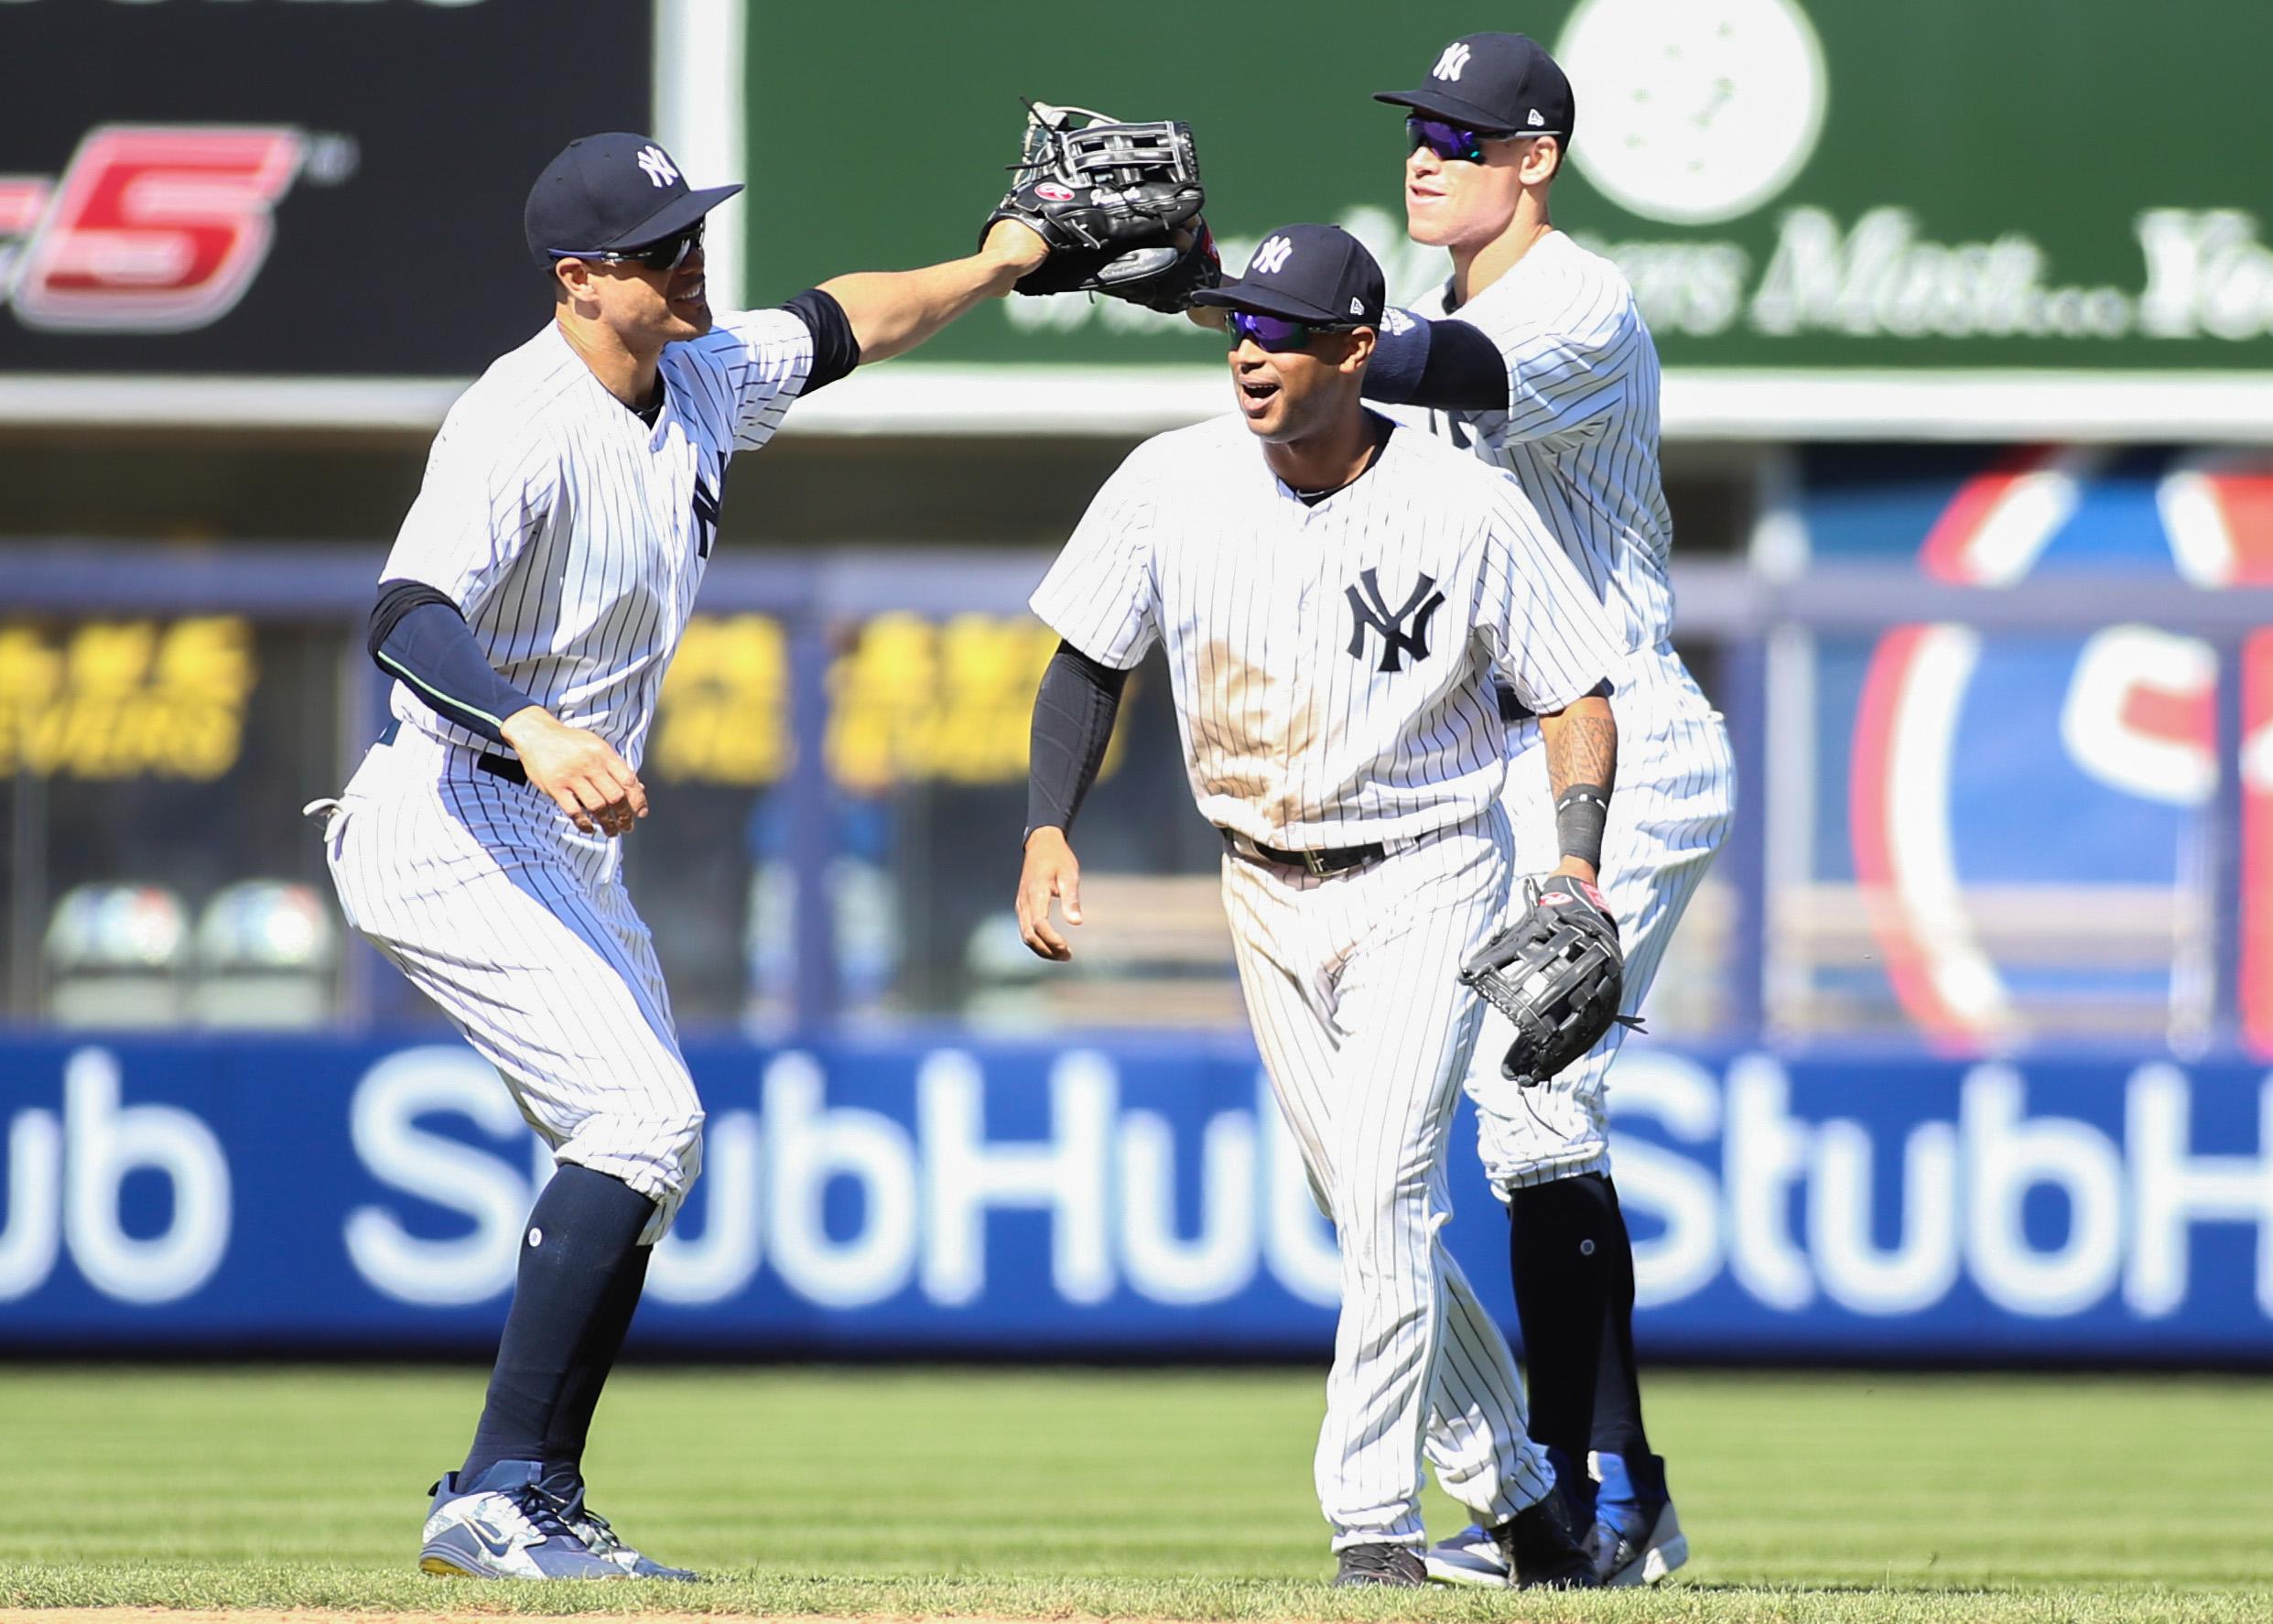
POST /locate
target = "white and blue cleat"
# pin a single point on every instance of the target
(1635, 1538)
(1469, 1557)
(502, 1526)
(1644, 1551)
(604, 1543)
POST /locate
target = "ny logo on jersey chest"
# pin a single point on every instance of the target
(706, 517)
(1370, 608)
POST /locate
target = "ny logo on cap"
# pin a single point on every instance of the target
(1456, 58)
(658, 163)
(1272, 258)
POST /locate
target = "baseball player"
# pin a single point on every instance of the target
(528, 611)
(1334, 595)
(1533, 357)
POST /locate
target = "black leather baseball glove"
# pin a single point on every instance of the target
(1118, 205)
(1557, 972)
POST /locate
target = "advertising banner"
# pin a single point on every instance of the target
(2070, 785)
(290, 190)
(1130, 1199)
(1789, 184)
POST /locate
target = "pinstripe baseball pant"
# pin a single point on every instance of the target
(1670, 811)
(487, 897)
(1366, 1033)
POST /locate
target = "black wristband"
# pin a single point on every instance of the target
(1581, 812)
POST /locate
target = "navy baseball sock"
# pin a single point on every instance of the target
(573, 1417)
(582, 1232)
(1562, 1235)
(1618, 1428)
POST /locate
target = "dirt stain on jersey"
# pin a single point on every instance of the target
(1253, 730)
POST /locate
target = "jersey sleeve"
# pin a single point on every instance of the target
(1099, 595)
(760, 360)
(482, 499)
(1568, 364)
(1537, 617)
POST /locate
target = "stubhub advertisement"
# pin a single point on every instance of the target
(1123, 1199)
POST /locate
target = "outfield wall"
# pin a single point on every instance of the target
(323, 1194)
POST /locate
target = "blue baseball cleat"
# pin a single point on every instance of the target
(604, 1541)
(565, 1485)
(502, 1526)
(1636, 1538)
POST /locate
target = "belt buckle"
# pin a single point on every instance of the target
(1317, 865)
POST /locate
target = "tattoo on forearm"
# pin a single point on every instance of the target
(1582, 747)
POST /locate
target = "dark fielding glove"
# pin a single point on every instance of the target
(1195, 270)
(1116, 203)
(1557, 972)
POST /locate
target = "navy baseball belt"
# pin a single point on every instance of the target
(1325, 864)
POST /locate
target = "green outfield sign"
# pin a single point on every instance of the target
(1812, 186)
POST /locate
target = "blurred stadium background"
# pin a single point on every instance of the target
(1961, 1055)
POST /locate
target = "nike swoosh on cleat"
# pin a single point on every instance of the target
(494, 1542)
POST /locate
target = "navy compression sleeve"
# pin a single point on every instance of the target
(1073, 722)
(836, 350)
(418, 635)
(1449, 365)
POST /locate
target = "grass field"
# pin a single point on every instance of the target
(1123, 1494)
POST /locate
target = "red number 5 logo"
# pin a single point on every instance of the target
(155, 230)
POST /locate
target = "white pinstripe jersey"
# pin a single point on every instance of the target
(1581, 431)
(570, 534)
(1331, 664)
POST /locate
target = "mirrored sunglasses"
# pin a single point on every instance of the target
(1274, 332)
(666, 253)
(1449, 141)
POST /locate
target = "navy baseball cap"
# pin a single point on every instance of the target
(608, 193)
(1497, 84)
(1319, 274)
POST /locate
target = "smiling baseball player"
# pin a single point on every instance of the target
(1334, 595)
(1533, 357)
(529, 612)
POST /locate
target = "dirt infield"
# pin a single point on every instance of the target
(324, 1615)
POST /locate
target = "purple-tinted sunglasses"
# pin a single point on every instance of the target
(1275, 333)
(1450, 142)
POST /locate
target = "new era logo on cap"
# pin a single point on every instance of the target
(1533, 120)
(1272, 258)
(658, 164)
(1456, 58)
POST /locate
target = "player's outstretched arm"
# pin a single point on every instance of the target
(1448, 366)
(1581, 739)
(893, 311)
